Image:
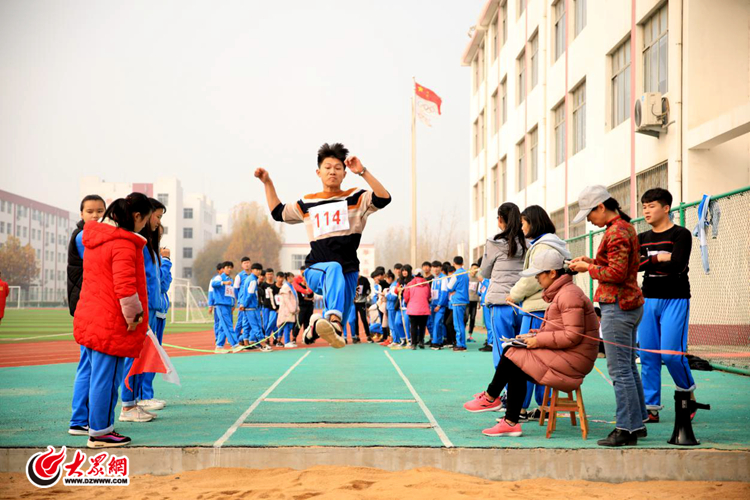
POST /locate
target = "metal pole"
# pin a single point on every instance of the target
(414, 176)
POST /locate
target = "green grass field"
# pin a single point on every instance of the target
(33, 325)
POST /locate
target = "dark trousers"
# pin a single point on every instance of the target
(305, 311)
(472, 316)
(450, 330)
(418, 327)
(515, 378)
(361, 308)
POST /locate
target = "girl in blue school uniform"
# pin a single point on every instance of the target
(111, 318)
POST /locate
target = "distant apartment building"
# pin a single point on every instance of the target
(631, 95)
(189, 222)
(47, 229)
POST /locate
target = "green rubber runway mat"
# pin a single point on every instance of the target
(324, 387)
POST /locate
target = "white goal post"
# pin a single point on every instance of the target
(14, 297)
(188, 302)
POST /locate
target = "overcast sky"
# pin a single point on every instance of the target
(208, 91)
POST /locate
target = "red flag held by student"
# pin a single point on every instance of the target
(153, 359)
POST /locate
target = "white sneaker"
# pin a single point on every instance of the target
(330, 331)
(220, 350)
(151, 405)
(161, 401)
(238, 348)
(289, 345)
(294, 344)
(266, 348)
(136, 414)
(309, 336)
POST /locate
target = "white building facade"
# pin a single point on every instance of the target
(292, 257)
(189, 222)
(47, 229)
(553, 93)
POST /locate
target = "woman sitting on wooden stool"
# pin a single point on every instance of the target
(552, 356)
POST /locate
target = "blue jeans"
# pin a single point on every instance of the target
(336, 287)
(664, 326)
(621, 326)
(459, 323)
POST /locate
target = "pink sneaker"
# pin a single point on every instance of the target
(482, 403)
(503, 429)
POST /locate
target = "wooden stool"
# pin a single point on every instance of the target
(553, 403)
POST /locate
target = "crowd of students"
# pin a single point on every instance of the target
(542, 329)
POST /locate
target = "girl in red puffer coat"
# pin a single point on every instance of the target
(111, 318)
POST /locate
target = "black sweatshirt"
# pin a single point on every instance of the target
(666, 280)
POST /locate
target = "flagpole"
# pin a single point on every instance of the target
(414, 174)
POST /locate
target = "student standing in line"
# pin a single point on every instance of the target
(306, 302)
(484, 286)
(265, 291)
(437, 335)
(664, 257)
(132, 409)
(212, 310)
(502, 263)
(474, 281)
(406, 277)
(111, 317)
(427, 275)
(394, 313)
(448, 322)
(224, 303)
(458, 288)
(539, 232)
(288, 311)
(239, 291)
(335, 220)
(361, 303)
(253, 337)
(620, 298)
(416, 294)
(92, 209)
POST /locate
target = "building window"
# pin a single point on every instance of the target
(479, 67)
(580, 7)
(479, 200)
(534, 151)
(38, 254)
(521, 77)
(187, 252)
(187, 233)
(504, 17)
(187, 213)
(534, 60)
(163, 198)
(25, 231)
(559, 28)
(579, 118)
(621, 83)
(560, 144)
(521, 169)
(479, 134)
(219, 228)
(2, 205)
(482, 198)
(655, 36)
(2, 227)
(521, 7)
(495, 47)
(187, 273)
(503, 182)
(504, 101)
(166, 229)
(494, 186)
(476, 201)
(495, 112)
(298, 260)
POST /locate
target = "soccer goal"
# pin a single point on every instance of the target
(189, 303)
(14, 297)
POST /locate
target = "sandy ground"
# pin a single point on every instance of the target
(358, 482)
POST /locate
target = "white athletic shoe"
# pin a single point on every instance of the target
(330, 331)
(220, 350)
(136, 414)
(309, 336)
(266, 348)
(290, 345)
(151, 405)
(238, 348)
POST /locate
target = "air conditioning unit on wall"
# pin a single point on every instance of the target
(651, 113)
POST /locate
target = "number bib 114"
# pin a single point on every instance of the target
(329, 218)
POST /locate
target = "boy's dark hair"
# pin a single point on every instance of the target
(289, 275)
(229, 263)
(397, 265)
(426, 263)
(657, 194)
(376, 273)
(269, 270)
(451, 269)
(122, 209)
(256, 266)
(390, 275)
(280, 275)
(458, 260)
(446, 266)
(92, 197)
(302, 268)
(446, 263)
(219, 266)
(539, 221)
(336, 150)
(245, 259)
(614, 205)
(474, 264)
(436, 263)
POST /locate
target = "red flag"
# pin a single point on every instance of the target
(153, 359)
(427, 103)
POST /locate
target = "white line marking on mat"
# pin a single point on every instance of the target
(340, 425)
(305, 400)
(439, 430)
(243, 417)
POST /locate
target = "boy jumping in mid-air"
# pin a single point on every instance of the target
(334, 220)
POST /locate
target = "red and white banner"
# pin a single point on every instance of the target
(427, 104)
(153, 359)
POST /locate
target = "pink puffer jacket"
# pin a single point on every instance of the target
(564, 357)
(417, 297)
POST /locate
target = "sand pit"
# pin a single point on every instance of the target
(356, 482)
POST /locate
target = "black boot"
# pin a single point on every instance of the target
(683, 426)
(619, 437)
(486, 348)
